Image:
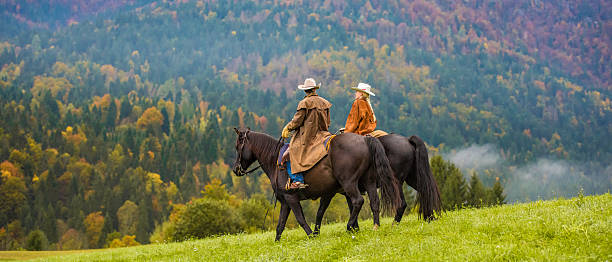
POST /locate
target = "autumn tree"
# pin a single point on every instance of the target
(93, 228)
(151, 120)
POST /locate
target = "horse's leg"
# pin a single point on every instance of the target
(399, 212)
(325, 200)
(357, 201)
(350, 206)
(296, 207)
(282, 219)
(374, 203)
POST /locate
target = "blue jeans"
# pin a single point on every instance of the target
(298, 177)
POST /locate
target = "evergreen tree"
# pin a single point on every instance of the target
(451, 183)
(497, 196)
(477, 196)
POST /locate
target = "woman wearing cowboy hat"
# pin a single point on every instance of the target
(361, 120)
(311, 122)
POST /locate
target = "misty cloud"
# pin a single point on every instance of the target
(476, 157)
(542, 179)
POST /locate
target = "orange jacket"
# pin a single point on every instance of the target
(361, 118)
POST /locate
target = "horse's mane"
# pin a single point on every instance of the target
(265, 146)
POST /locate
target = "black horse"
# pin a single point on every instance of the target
(410, 164)
(354, 164)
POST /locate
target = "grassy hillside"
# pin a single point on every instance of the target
(565, 229)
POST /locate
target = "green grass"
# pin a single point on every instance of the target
(578, 229)
(24, 255)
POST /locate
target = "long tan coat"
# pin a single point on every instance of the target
(361, 118)
(311, 122)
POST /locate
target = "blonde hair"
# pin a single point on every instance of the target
(367, 97)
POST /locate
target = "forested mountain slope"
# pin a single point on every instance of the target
(122, 115)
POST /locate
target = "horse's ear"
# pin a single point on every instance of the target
(236, 129)
(248, 128)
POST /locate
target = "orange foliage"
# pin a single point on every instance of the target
(7, 168)
(151, 118)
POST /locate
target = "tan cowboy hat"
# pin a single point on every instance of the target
(365, 88)
(309, 83)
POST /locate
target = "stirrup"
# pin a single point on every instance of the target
(294, 186)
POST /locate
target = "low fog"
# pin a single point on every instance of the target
(545, 178)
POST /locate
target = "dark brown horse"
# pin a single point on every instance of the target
(410, 163)
(354, 164)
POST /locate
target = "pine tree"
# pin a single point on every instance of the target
(451, 183)
(497, 194)
(477, 196)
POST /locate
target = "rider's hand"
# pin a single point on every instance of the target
(285, 132)
(341, 130)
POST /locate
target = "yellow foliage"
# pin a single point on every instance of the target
(9, 169)
(74, 139)
(151, 118)
(110, 72)
(101, 102)
(5, 174)
(93, 227)
(153, 182)
(9, 73)
(568, 85)
(55, 85)
(126, 241)
(555, 137)
(217, 170)
(171, 191)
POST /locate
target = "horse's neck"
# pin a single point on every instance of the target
(266, 158)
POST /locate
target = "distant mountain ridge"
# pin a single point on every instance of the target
(53, 14)
(573, 35)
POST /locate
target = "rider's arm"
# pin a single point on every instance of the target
(298, 120)
(352, 121)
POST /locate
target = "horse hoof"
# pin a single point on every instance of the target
(375, 228)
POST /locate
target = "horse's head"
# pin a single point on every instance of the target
(244, 155)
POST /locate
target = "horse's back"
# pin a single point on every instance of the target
(400, 153)
(348, 155)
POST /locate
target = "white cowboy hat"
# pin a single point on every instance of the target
(309, 83)
(361, 87)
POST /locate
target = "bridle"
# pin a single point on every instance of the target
(242, 140)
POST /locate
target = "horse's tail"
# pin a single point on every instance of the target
(428, 194)
(389, 190)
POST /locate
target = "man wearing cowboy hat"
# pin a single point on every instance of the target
(311, 122)
(361, 120)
